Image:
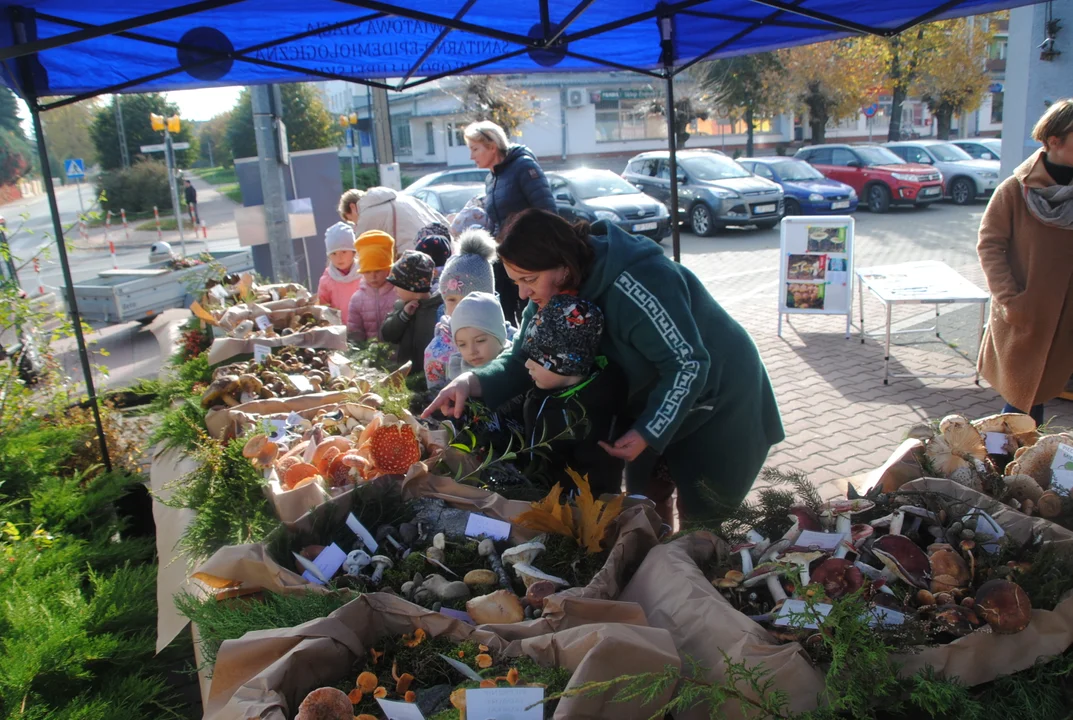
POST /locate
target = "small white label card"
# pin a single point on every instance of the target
(274, 293)
(1062, 467)
(220, 292)
(995, 443)
(478, 525)
(277, 429)
(333, 369)
(397, 710)
(793, 614)
(344, 365)
(294, 419)
(505, 704)
(361, 531)
(301, 383)
(885, 616)
(812, 540)
(260, 352)
(263, 322)
(327, 564)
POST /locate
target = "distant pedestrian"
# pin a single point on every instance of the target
(191, 202)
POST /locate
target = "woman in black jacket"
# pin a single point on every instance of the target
(515, 183)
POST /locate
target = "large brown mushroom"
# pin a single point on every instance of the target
(838, 577)
(1004, 606)
(948, 571)
(326, 703)
(1036, 460)
(904, 559)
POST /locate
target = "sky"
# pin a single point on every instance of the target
(205, 103)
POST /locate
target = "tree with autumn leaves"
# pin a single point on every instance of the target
(954, 80)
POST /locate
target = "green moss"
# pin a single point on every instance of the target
(564, 558)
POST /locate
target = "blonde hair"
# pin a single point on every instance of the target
(350, 197)
(1056, 122)
(487, 132)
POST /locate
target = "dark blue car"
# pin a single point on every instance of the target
(807, 191)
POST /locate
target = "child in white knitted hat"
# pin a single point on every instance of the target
(469, 271)
(341, 277)
(479, 331)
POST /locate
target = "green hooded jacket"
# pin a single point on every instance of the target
(687, 362)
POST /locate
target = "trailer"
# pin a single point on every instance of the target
(123, 295)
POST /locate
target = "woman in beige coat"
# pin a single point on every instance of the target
(1026, 250)
(381, 208)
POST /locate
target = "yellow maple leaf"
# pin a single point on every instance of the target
(595, 515)
(548, 515)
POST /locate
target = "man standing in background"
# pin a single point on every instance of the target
(191, 203)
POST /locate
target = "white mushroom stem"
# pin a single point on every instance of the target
(844, 549)
(761, 543)
(746, 561)
(843, 523)
(875, 574)
(896, 522)
(775, 587)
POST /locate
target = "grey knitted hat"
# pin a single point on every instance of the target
(480, 310)
(471, 269)
(564, 335)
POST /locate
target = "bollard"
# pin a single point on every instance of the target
(107, 225)
(159, 232)
(111, 247)
(37, 271)
(126, 228)
(204, 230)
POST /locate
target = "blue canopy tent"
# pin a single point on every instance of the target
(80, 49)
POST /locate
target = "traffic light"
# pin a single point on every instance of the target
(353, 118)
(173, 124)
(343, 120)
(157, 121)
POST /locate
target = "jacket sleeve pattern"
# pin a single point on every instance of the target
(667, 336)
(395, 324)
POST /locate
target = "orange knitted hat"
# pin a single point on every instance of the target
(376, 251)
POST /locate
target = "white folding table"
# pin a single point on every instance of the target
(919, 283)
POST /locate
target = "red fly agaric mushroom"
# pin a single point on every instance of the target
(948, 571)
(768, 575)
(394, 448)
(838, 577)
(903, 558)
(1004, 606)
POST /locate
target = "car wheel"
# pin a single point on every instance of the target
(793, 207)
(878, 199)
(766, 224)
(963, 191)
(700, 217)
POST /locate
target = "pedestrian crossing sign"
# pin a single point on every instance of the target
(75, 168)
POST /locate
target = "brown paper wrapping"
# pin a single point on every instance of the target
(266, 674)
(675, 595)
(983, 656)
(332, 337)
(229, 422)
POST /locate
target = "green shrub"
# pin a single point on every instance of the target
(136, 189)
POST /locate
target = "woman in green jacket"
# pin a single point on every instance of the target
(696, 385)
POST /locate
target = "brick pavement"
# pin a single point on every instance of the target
(840, 419)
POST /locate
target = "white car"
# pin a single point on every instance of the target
(981, 148)
(964, 179)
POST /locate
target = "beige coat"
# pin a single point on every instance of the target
(400, 215)
(1027, 353)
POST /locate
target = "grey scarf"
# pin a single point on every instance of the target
(337, 275)
(1052, 205)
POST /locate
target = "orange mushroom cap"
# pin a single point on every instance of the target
(367, 682)
(484, 660)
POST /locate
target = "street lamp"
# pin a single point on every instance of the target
(168, 126)
(349, 122)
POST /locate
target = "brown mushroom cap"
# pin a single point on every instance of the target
(806, 519)
(957, 443)
(1006, 423)
(955, 619)
(1036, 460)
(902, 557)
(838, 577)
(1022, 487)
(948, 571)
(326, 703)
(1049, 504)
(1004, 606)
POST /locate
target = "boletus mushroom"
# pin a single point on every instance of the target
(948, 571)
(1003, 605)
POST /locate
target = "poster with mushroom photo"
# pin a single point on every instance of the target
(816, 265)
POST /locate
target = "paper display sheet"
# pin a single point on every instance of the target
(816, 265)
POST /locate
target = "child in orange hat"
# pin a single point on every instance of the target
(376, 296)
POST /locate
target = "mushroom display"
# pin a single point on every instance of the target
(326, 703)
(1004, 606)
(904, 559)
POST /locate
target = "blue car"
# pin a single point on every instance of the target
(807, 191)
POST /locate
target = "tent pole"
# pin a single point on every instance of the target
(672, 142)
(72, 305)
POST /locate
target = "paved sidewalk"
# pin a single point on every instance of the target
(216, 211)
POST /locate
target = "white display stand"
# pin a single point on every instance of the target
(816, 267)
(927, 282)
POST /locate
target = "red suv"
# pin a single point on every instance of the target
(880, 177)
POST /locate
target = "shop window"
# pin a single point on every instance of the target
(430, 138)
(996, 108)
(627, 119)
(401, 140)
(455, 134)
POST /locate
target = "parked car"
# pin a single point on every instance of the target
(965, 179)
(447, 177)
(981, 148)
(713, 190)
(592, 195)
(879, 176)
(805, 190)
(449, 199)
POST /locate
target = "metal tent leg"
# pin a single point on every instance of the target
(72, 305)
(672, 142)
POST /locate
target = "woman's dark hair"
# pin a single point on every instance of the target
(538, 240)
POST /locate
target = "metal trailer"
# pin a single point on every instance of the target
(117, 296)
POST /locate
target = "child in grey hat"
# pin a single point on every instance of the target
(467, 272)
(572, 380)
(479, 332)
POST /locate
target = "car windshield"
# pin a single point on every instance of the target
(454, 200)
(877, 156)
(994, 145)
(601, 185)
(949, 153)
(713, 167)
(796, 171)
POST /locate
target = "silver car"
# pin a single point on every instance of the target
(964, 179)
(713, 190)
